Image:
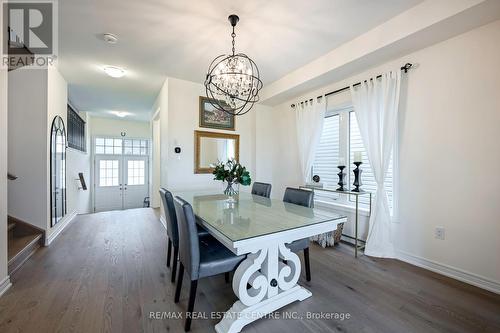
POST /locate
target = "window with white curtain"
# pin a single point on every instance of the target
(332, 147)
(367, 178)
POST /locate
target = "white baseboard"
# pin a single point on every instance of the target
(452, 272)
(163, 222)
(60, 227)
(5, 284)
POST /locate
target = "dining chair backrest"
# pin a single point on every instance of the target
(261, 189)
(170, 216)
(299, 197)
(189, 247)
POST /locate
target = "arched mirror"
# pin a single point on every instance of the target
(57, 171)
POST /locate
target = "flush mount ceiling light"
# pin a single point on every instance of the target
(114, 71)
(121, 114)
(110, 38)
(232, 83)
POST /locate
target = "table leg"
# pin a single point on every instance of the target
(370, 212)
(273, 286)
(356, 229)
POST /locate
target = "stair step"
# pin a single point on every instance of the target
(21, 248)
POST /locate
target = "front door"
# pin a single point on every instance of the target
(121, 177)
(108, 183)
(135, 185)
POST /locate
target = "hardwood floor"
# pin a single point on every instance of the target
(106, 273)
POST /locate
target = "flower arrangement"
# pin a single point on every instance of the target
(231, 172)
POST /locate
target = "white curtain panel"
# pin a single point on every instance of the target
(309, 119)
(376, 104)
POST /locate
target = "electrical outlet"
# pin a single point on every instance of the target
(439, 233)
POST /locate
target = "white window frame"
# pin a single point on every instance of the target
(132, 179)
(123, 139)
(106, 169)
(342, 202)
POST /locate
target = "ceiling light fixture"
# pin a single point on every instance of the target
(232, 83)
(110, 38)
(121, 114)
(114, 71)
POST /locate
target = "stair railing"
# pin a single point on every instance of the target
(11, 176)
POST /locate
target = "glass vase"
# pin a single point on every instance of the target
(232, 190)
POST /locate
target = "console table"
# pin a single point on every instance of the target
(357, 195)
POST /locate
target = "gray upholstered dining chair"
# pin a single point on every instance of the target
(303, 198)
(200, 257)
(261, 189)
(172, 229)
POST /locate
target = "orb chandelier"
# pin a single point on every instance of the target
(232, 83)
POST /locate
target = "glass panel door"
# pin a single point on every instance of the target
(108, 184)
(121, 173)
(135, 181)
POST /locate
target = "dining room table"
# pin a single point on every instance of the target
(259, 228)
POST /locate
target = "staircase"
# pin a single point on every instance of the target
(23, 241)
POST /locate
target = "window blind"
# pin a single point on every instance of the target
(367, 178)
(327, 157)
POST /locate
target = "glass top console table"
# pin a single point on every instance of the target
(357, 195)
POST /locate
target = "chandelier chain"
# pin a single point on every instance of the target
(233, 35)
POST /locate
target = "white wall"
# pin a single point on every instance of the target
(179, 106)
(161, 104)
(3, 178)
(449, 125)
(156, 161)
(27, 145)
(266, 124)
(79, 201)
(36, 96)
(113, 127)
(449, 129)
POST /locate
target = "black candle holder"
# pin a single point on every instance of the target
(357, 177)
(341, 175)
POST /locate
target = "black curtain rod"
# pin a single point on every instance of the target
(404, 68)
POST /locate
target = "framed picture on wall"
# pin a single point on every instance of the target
(210, 117)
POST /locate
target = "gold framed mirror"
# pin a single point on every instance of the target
(211, 147)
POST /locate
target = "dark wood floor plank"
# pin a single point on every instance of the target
(107, 272)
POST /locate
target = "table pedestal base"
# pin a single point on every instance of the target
(264, 282)
(240, 315)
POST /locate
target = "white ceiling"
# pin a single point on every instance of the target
(160, 38)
